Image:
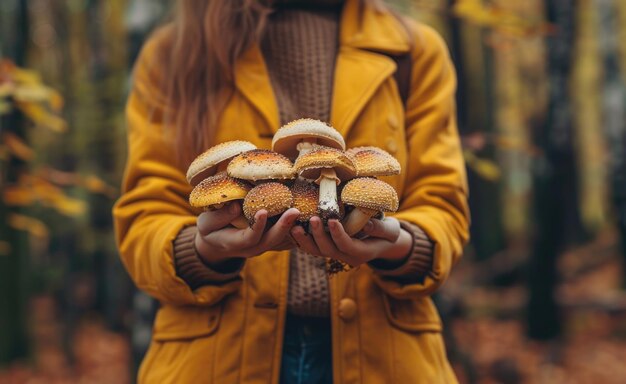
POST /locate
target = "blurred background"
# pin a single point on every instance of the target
(539, 296)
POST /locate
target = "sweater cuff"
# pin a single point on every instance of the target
(417, 264)
(191, 268)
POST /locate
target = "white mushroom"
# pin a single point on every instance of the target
(215, 160)
(297, 137)
(261, 165)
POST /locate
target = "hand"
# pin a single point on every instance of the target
(216, 241)
(386, 241)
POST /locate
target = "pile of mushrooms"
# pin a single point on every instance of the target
(305, 169)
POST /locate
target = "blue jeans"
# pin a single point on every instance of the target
(307, 351)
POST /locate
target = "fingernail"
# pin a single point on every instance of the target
(368, 226)
(332, 224)
(314, 224)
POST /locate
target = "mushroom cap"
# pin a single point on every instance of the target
(276, 198)
(286, 139)
(305, 199)
(370, 193)
(261, 164)
(218, 189)
(310, 164)
(373, 161)
(207, 162)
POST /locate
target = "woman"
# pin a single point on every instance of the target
(237, 305)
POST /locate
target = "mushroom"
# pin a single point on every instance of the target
(274, 197)
(215, 159)
(297, 137)
(373, 161)
(261, 165)
(216, 190)
(328, 167)
(305, 200)
(368, 196)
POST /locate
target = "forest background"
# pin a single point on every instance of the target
(539, 296)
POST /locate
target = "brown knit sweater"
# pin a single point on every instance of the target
(300, 48)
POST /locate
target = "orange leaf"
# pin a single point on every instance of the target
(19, 196)
(18, 147)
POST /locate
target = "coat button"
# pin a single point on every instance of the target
(392, 146)
(347, 308)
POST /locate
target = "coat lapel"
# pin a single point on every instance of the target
(253, 81)
(366, 39)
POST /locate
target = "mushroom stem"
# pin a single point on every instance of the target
(305, 146)
(328, 207)
(356, 220)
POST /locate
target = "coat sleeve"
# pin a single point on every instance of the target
(435, 193)
(153, 208)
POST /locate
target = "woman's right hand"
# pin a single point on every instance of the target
(216, 241)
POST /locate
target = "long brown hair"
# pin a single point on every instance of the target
(205, 39)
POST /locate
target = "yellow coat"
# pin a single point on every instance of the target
(383, 331)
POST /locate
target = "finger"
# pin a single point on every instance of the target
(233, 240)
(279, 231)
(305, 241)
(323, 241)
(285, 245)
(343, 241)
(211, 221)
(387, 229)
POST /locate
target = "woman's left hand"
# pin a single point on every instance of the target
(386, 240)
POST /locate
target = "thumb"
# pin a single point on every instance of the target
(212, 221)
(387, 229)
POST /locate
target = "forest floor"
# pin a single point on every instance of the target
(487, 341)
(490, 344)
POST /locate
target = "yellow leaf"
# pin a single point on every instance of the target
(41, 116)
(6, 89)
(69, 206)
(5, 248)
(486, 169)
(18, 147)
(29, 224)
(96, 185)
(32, 93)
(26, 76)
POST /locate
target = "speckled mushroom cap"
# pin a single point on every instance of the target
(370, 193)
(373, 161)
(310, 164)
(218, 189)
(276, 198)
(261, 164)
(286, 139)
(207, 163)
(305, 199)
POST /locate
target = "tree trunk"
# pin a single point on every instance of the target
(14, 264)
(555, 178)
